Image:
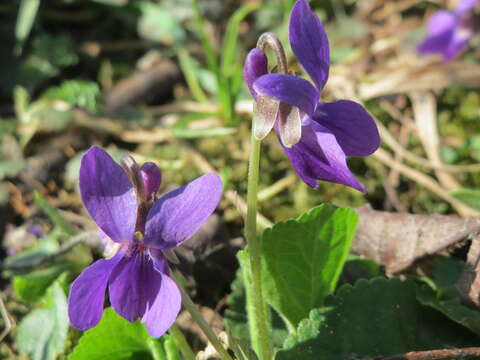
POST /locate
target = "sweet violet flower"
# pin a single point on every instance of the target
(448, 32)
(123, 203)
(317, 137)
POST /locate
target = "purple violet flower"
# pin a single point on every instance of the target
(317, 137)
(448, 32)
(123, 203)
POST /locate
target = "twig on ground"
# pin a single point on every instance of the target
(50, 258)
(276, 188)
(426, 181)
(433, 354)
(390, 140)
(424, 107)
(9, 324)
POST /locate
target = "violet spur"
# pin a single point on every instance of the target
(316, 137)
(123, 203)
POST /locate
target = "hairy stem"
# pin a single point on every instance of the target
(257, 317)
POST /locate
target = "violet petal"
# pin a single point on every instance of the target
(162, 312)
(309, 42)
(152, 177)
(289, 89)
(464, 6)
(108, 194)
(256, 65)
(87, 293)
(440, 32)
(353, 127)
(318, 156)
(176, 216)
(133, 285)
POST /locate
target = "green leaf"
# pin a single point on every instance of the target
(303, 259)
(115, 338)
(33, 286)
(53, 214)
(43, 332)
(307, 328)
(25, 20)
(84, 94)
(441, 294)
(45, 246)
(378, 317)
(471, 197)
(158, 24)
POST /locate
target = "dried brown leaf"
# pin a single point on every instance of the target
(396, 240)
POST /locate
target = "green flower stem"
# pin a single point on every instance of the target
(156, 349)
(182, 343)
(257, 317)
(193, 310)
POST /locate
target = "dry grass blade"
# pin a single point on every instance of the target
(9, 324)
(433, 76)
(426, 181)
(425, 114)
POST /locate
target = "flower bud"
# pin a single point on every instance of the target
(152, 177)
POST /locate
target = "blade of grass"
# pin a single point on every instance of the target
(25, 20)
(230, 39)
(188, 69)
(206, 44)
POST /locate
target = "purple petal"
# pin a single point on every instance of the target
(441, 22)
(163, 311)
(85, 301)
(457, 44)
(289, 89)
(309, 42)
(176, 216)
(152, 177)
(256, 65)
(465, 5)
(108, 194)
(318, 156)
(134, 284)
(441, 27)
(353, 127)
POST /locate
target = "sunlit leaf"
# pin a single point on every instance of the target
(115, 338)
(304, 258)
(42, 333)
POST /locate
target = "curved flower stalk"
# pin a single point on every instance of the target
(317, 137)
(448, 32)
(123, 203)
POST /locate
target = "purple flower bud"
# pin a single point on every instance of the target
(152, 177)
(256, 65)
